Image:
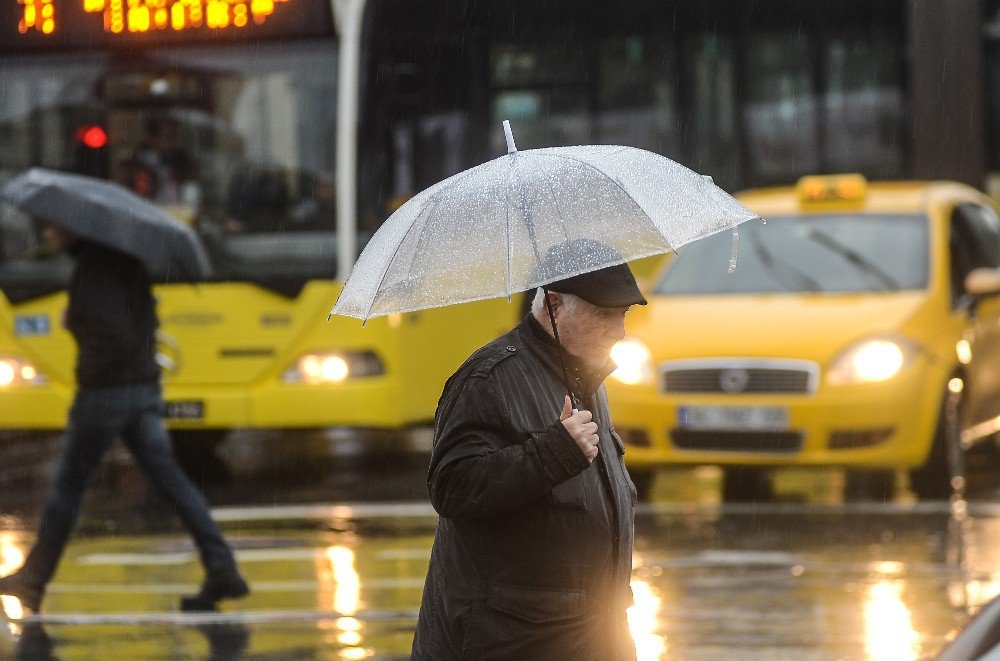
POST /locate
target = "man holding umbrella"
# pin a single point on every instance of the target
(111, 314)
(533, 552)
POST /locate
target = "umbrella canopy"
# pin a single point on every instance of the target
(112, 215)
(484, 232)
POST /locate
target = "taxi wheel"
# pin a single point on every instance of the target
(746, 485)
(943, 474)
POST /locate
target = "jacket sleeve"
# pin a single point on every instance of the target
(480, 468)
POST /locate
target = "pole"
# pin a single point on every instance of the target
(348, 15)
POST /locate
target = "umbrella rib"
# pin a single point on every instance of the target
(459, 178)
(430, 204)
(507, 227)
(621, 188)
(555, 200)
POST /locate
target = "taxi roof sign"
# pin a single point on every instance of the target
(832, 190)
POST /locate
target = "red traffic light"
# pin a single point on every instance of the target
(92, 136)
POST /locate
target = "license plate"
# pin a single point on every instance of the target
(733, 418)
(184, 409)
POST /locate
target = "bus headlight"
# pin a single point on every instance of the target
(15, 372)
(870, 361)
(333, 367)
(632, 358)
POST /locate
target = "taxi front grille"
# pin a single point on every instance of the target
(737, 441)
(737, 380)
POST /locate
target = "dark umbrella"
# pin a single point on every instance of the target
(114, 216)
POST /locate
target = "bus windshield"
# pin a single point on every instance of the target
(829, 254)
(238, 141)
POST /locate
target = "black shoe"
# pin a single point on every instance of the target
(216, 587)
(15, 585)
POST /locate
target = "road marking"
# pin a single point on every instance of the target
(403, 509)
(319, 511)
(256, 586)
(244, 556)
(233, 617)
(405, 554)
(898, 509)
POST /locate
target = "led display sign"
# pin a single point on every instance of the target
(39, 24)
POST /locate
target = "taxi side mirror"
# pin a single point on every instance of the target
(983, 282)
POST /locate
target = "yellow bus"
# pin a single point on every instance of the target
(241, 119)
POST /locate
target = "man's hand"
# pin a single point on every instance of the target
(581, 428)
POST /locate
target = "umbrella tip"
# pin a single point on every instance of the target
(511, 147)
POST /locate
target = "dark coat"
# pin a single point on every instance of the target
(533, 552)
(112, 316)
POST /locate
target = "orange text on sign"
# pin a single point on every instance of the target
(147, 15)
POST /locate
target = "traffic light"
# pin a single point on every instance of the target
(90, 150)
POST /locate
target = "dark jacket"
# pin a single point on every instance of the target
(533, 552)
(112, 316)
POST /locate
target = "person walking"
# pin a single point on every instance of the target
(532, 556)
(111, 315)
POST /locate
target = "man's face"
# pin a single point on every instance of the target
(588, 331)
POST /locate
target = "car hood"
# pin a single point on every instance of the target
(812, 327)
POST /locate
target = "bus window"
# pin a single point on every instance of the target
(238, 141)
(711, 138)
(780, 110)
(541, 87)
(637, 100)
(42, 105)
(863, 106)
(542, 118)
(556, 62)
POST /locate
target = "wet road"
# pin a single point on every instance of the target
(336, 577)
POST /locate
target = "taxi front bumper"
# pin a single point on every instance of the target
(883, 425)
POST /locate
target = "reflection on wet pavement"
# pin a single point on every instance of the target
(337, 578)
(343, 582)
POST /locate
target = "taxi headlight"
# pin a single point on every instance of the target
(870, 361)
(633, 360)
(15, 372)
(333, 367)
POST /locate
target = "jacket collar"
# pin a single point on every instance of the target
(585, 382)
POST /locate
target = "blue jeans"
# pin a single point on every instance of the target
(99, 416)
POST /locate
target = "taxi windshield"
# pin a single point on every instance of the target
(837, 253)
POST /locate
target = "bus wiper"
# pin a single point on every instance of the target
(802, 280)
(854, 257)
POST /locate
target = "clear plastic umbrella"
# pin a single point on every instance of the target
(483, 233)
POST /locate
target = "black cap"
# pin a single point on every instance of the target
(609, 287)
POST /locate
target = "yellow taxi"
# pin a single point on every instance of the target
(860, 329)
